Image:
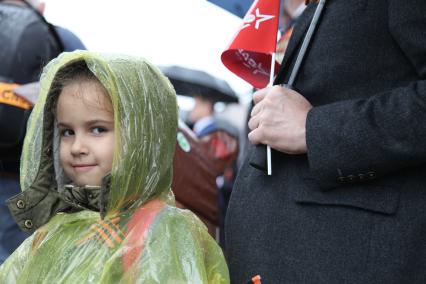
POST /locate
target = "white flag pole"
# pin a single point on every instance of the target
(271, 81)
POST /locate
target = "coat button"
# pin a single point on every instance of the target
(20, 204)
(351, 177)
(362, 176)
(371, 175)
(28, 224)
(342, 179)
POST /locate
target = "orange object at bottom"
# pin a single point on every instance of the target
(256, 279)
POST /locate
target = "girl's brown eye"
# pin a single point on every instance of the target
(67, 132)
(98, 130)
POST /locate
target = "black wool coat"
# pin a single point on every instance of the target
(353, 209)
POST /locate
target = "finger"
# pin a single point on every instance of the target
(256, 109)
(255, 136)
(260, 95)
(254, 122)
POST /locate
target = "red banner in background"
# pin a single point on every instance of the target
(250, 52)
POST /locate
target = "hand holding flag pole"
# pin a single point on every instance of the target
(259, 160)
(252, 52)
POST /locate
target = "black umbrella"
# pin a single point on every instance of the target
(191, 82)
(236, 7)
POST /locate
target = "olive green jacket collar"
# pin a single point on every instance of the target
(35, 206)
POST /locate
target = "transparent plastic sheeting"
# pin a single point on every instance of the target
(143, 237)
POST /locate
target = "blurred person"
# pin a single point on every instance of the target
(205, 156)
(69, 40)
(221, 140)
(194, 179)
(98, 208)
(202, 115)
(29, 43)
(346, 199)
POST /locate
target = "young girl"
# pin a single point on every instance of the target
(96, 171)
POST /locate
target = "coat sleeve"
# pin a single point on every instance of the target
(14, 264)
(356, 140)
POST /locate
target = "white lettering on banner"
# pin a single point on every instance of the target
(258, 18)
(251, 63)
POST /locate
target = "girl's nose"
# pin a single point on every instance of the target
(78, 146)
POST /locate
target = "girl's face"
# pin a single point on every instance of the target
(86, 126)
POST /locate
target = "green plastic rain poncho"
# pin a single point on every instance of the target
(127, 230)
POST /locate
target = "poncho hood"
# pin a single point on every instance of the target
(144, 142)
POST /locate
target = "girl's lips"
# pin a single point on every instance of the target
(83, 168)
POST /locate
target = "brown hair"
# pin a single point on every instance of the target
(77, 71)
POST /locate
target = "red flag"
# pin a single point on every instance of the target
(250, 52)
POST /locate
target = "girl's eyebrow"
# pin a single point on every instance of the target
(89, 122)
(62, 125)
(96, 121)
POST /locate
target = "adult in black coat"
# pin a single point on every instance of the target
(346, 202)
(28, 42)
